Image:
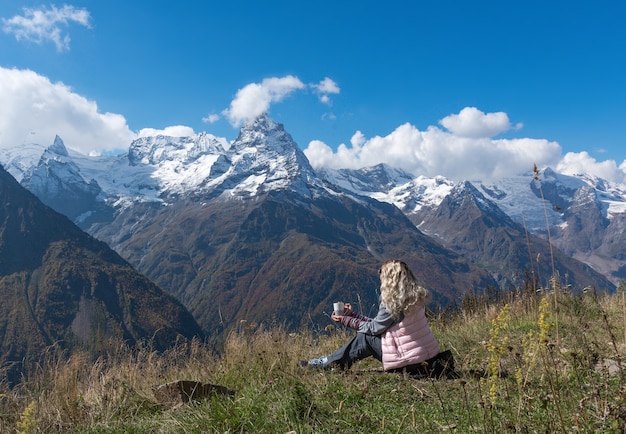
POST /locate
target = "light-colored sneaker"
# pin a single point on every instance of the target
(319, 362)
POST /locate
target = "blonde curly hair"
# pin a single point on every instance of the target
(399, 290)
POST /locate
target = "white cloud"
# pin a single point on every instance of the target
(39, 25)
(34, 110)
(172, 131)
(574, 163)
(471, 122)
(325, 87)
(320, 154)
(438, 152)
(256, 98)
(211, 119)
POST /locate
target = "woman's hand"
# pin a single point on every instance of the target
(347, 310)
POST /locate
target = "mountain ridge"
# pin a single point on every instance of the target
(214, 221)
(217, 245)
(61, 287)
(540, 206)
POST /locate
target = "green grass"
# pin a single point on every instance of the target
(515, 375)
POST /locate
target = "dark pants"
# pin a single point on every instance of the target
(359, 347)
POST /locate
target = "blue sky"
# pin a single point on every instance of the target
(457, 88)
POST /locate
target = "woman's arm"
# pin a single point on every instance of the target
(371, 326)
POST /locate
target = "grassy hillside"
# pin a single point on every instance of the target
(526, 363)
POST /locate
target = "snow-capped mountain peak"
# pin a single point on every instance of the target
(264, 157)
(58, 147)
(257, 130)
(465, 190)
(269, 145)
(156, 150)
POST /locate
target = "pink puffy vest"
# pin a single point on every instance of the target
(409, 341)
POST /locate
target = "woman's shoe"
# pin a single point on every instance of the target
(319, 362)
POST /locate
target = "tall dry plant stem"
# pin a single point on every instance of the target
(624, 313)
(553, 280)
(622, 289)
(530, 256)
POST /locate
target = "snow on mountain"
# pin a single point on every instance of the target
(552, 200)
(54, 172)
(466, 189)
(521, 196)
(264, 157)
(611, 194)
(18, 160)
(391, 185)
(121, 183)
(421, 192)
(516, 197)
(47, 171)
(179, 164)
(367, 181)
(157, 150)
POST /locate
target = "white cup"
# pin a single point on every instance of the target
(338, 308)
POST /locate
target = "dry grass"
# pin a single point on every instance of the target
(513, 377)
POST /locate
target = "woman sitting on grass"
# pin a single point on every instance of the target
(399, 336)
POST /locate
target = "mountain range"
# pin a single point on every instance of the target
(249, 231)
(60, 287)
(549, 215)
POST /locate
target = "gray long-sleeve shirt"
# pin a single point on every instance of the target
(371, 326)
